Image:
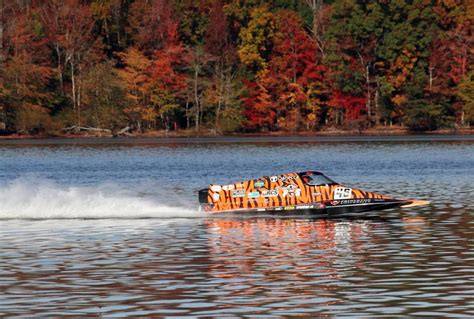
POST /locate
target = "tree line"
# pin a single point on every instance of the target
(235, 65)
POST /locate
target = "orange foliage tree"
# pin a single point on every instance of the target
(290, 91)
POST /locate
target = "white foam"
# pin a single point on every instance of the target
(27, 198)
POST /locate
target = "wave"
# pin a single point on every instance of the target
(30, 198)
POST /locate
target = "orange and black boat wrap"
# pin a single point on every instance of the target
(309, 192)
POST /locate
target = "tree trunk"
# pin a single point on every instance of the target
(79, 103)
(96, 109)
(117, 21)
(73, 82)
(196, 97)
(376, 104)
(187, 114)
(3, 121)
(77, 129)
(369, 113)
(216, 125)
(1, 32)
(315, 6)
(60, 71)
(124, 131)
(219, 104)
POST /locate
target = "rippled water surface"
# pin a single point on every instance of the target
(111, 229)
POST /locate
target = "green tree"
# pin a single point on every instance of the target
(103, 97)
(382, 44)
(466, 93)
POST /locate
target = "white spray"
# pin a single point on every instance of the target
(39, 199)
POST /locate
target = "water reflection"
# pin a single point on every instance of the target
(257, 256)
(360, 267)
(414, 263)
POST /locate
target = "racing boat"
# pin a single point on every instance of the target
(305, 193)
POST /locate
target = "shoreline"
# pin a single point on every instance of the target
(191, 134)
(174, 141)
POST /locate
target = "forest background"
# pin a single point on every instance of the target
(235, 65)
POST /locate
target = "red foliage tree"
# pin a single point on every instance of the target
(152, 24)
(353, 106)
(216, 38)
(291, 91)
(259, 107)
(69, 29)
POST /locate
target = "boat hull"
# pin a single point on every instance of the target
(331, 209)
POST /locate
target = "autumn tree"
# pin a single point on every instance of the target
(221, 93)
(385, 45)
(354, 34)
(466, 93)
(136, 78)
(290, 90)
(227, 65)
(320, 13)
(150, 23)
(104, 97)
(452, 56)
(110, 21)
(168, 82)
(25, 98)
(69, 29)
(257, 39)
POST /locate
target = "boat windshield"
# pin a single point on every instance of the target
(316, 179)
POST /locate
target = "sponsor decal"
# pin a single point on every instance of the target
(258, 184)
(216, 188)
(261, 209)
(238, 193)
(270, 193)
(291, 190)
(283, 178)
(355, 201)
(253, 195)
(278, 208)
(228, 187)
(342, 193)
(215, 197)
(289, 208)
(334, 202)
(322, 205)
(303, 207)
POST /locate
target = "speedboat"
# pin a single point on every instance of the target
(305, 193)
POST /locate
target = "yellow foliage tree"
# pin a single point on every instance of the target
(136, 79)
(256, 39)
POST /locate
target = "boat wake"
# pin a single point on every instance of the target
(27, 198)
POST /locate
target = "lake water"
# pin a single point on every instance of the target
(110, 228)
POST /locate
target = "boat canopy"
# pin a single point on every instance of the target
(313, 178)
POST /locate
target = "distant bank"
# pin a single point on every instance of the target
(264, 139)
(398, 132)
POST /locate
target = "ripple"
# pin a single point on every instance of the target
(415, 262)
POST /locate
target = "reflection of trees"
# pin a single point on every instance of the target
(284, 256)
